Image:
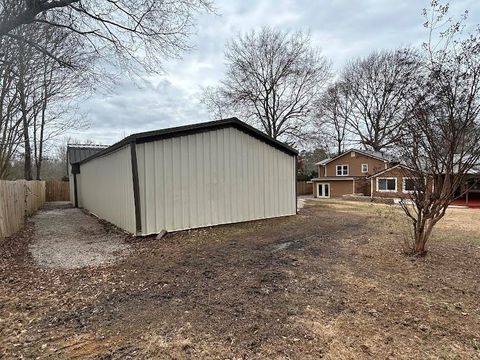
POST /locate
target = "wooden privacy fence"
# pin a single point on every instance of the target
(57, 191)
(304, 188)
(18, 199)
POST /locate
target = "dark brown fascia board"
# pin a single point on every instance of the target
(149, 136)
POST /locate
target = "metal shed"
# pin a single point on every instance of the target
(75, 154)
(187, 177)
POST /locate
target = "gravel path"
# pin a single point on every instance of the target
(67, 238)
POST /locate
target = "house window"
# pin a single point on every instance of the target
(409, 184)
(364, 168)
(473, 184)
(387, 184)
(342, 170)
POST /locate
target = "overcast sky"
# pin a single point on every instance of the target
(343, 29)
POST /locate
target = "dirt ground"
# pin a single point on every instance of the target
(332, 282)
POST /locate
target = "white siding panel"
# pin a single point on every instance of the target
(212, 178)
(105, 188)
(167, 186)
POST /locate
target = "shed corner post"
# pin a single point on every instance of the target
(295, 184)
(136, 188)
(75, 191)
(75, 171)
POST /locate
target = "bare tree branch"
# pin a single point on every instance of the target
(136, 32)
(272, 79)
(440, 140)
(378, 85)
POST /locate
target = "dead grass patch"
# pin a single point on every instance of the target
(329, 283)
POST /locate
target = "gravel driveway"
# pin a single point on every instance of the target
(67, 238)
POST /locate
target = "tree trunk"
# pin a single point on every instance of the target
(28, 155)
(42, 128)
(24, 116)
(422, 233)
(3, 169)
(26, 138)
(420, 243)
(38, 169)
(377, 148)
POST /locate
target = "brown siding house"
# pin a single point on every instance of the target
(359, 165)
(347, 173)
(390, 183)
(396, 182)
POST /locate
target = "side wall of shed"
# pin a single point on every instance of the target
(105, 188)
(212, 178)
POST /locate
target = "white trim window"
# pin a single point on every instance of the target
(342, 170)
(364, 168)
(409, 184)
(387, 184)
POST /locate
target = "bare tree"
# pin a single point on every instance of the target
(216, 105)
(441, 139)
(42, 91)
(25, 86)
(10, 122)
(46, 46)
(333, 113)
(272, 80)
(53, 111)
(129, 31)
(307, 159)
(379, 85)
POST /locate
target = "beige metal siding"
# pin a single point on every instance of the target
(105, 188)
(211, 178)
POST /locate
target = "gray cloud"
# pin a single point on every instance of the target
(343, 29)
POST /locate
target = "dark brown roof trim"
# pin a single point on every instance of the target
(149, 136)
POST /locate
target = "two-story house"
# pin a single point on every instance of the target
(347, 173)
